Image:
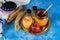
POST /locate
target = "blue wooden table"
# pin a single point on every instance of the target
(53, 33)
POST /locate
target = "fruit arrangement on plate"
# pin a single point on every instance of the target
(36, 23)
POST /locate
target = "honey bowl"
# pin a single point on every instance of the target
(41, 18)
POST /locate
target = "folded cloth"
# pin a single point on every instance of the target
(0, 29)
(3, 15)
(2, 1)
(2, 21)
(1, 4)
(20, 2)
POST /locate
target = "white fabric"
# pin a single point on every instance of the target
(20, 2)
(0, 35)
(0, 27)
(2, 1)
(0, 4)
(3, 16)
(0, 30)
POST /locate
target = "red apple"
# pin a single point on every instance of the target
(35, 28)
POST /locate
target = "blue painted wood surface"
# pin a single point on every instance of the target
(53, 33)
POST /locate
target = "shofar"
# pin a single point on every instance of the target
(18, 19)
(14, 15)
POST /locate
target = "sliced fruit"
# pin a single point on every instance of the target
(27, 21)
